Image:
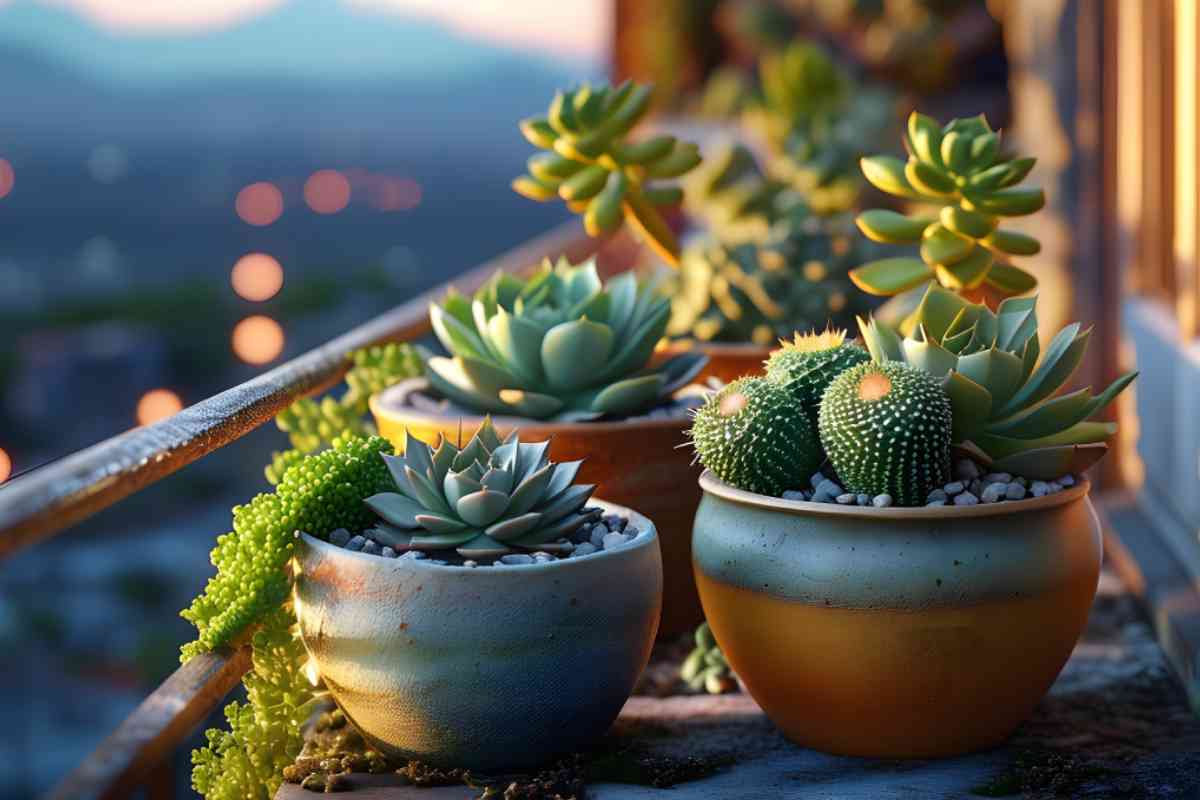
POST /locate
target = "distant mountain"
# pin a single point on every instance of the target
(316, 41)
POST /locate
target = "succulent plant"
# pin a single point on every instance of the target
(705, 667)
(599, 174)
(484, 499)
(886, 430)
(559, 346)
(733, 195)
(802, 85)
(753, 434)
(1002, 385)
(807, 365)
(795, 278)
(958, 167)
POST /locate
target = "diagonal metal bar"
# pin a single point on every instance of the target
(40, 503)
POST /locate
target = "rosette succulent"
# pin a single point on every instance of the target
(560, 346)
(1002, 385)
(960, 168)
(484, 499)
(599, 174)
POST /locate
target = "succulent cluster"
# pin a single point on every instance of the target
(558, 346)
(705, 668)
(960, 169)
(803, 88)
(589, 164)
(1002, 386)
(736, 199)
(483, 499)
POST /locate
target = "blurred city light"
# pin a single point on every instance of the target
(327, 191)
(257, 277)
(257, 340)
(259, 203)
(157, 404)
(7, 178)
(5, 466)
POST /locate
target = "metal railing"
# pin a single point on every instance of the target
(41, 503)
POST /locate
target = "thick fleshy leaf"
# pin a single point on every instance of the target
(530, 404)
(475, 451)
(1013, 243)
(512, 528)
(995, 370)
(890, 276)
(572, 351)
(531, 490)
(560, 529)
(443, 459)
(881, 225)
(583, 282)
(1010, 280)
(678, 371)
(498, 480)
(442, 541)
(594, 307)
(1059, 413)
(630, 395)
(1085, 432)
(455, 335)
(622, 291)
(562, 477)
(886, 173)
(531, 456)
(418, 454)
(968, 273)
(1057, 366)
(882, 342)
(486, 434)
(929, 356)
(571, 500)
(458, 485)
(390, 536)
(425, 493)
(487, 376)
(636, 349)
(1052, 462)
(446, 376)
(1016, 321)
(439, 524)
(483, 546)
(396, 509)
(396, 465)
(482, 508)
(940, 309)
(970, 405)
(941, 245)
(967, 223)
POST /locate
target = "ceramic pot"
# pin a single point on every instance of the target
(896, 632)
(482, 667)
(637, 463)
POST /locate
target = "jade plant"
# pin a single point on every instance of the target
(559, 346)
(589, 164)
(969, 187)
(705, 667)
(1002, 385)
(483, 499)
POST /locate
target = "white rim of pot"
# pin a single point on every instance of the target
(711, 484)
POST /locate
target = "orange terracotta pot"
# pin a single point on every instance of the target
(898, 632)
(635, 463)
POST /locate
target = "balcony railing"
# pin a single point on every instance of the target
(38, 505)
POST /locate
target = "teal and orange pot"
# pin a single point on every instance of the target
(488, 668)
(896, 632)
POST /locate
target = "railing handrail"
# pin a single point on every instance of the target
(51, 498)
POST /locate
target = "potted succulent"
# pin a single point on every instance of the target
(448, 630)
(918, 595)
(563, 356)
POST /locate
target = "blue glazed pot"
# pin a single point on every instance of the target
(487, 668)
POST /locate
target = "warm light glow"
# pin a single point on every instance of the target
(5, 466)
(157, 404)
(257, 277)
(257, 340)
(194, 15)
(259, 203)
(327, 191)
(395, 194)
(7, 178)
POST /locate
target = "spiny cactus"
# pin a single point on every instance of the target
(1001, 384)
(795, 278)
(807, 365)
(753, 434)
(558, 346)
(598, 173)
(484, 499)
(886, 430)
(705, 667)
(960, 168)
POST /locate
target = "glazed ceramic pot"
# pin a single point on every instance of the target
(637, 463)
(487, 668)
(896, 632)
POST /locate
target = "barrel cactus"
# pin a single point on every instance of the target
(484, 499)
(559, 346)
(958, 167)
(1002, 385)
(599, 174)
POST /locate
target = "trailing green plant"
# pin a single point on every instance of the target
(960, 170)
(1002, 386)
(591, 166)
(807, 365)
(483, 499)
(795, 278)
(754, 435)
(557, 346)
(705, 668)
(886, 429)
(311, 425)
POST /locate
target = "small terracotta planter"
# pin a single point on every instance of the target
(897, 632)
(487, 668)
(637, 463)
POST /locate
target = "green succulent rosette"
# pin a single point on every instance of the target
(560, 346)
(1003, 387)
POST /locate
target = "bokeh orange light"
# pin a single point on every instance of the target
(257, 277)
(396, 194)
(157, 404)
(5, 466)
(259, 204)
(327, 191)
(258, 340)
(8, 178)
